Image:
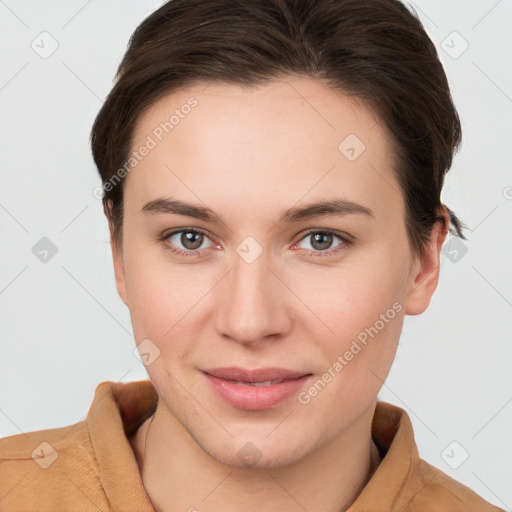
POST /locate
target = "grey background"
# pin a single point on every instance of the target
(63, 327)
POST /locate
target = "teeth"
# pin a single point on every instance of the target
(264, 383)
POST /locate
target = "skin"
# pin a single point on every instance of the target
(248, 154)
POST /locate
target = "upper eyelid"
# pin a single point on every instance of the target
(335, 232)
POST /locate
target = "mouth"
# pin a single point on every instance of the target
(257, 389)
(264, 383)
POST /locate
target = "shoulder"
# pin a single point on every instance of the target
(52, 469)
(404, 482)
(438, 492)
(89, 465)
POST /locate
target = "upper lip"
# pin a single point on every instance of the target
(255, 375)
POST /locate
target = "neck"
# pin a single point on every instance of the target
(178, 475)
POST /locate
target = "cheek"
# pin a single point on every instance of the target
(158, 295)
(353, 296)
(361, 308)
(365, 312)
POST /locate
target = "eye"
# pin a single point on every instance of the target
(192, 242)
(185, 242)
(321, 242)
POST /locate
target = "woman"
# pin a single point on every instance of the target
(272, 173)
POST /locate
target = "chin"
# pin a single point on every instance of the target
(256, 455)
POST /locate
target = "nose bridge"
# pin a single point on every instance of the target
(253, 304)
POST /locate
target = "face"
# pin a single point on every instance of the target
(227, 266)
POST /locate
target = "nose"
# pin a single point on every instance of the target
(254, 305)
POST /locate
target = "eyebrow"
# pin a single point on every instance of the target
(337, 206)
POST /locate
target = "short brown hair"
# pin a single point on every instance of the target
(375, 50)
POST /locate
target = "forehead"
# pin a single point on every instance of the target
(295, 107)
(291, 137)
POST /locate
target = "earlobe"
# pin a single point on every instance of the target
(426, 270)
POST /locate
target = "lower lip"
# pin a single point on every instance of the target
(255, 398)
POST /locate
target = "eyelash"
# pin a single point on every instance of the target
(345, 239)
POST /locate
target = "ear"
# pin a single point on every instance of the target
(116, 256)
(426, 269)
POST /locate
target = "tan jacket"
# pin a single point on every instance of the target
(90, 466)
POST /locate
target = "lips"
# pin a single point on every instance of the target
(257, 389)
(257, 376)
